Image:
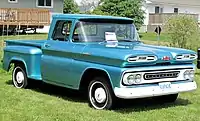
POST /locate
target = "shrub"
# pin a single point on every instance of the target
(183, 32)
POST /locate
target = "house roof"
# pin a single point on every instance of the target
(177, 2)
(86, 16)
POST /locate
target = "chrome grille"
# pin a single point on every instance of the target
(161, 75)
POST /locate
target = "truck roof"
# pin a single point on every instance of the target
(86, 16)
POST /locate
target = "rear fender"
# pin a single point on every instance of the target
(14, 60)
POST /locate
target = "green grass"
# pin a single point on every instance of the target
(153, 36)
(49, 103)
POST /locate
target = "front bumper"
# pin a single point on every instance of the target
(151, 91)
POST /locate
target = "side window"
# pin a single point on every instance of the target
(62, 30)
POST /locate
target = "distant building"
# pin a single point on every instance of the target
(54, 6)
(86, 8)
(158, 10)
(89, 7)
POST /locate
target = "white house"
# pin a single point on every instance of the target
(169, 7)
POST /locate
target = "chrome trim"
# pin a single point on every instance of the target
(161, 75)
(150, 58)
(182, 57)
(142, 70)
(153, 90)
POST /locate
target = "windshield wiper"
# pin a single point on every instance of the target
(128, 40)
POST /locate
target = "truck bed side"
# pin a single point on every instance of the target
(28, 52)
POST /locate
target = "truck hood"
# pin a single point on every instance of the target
(118, 53)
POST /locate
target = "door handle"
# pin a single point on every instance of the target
(46, 45)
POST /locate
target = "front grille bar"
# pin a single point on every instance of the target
(161, 75)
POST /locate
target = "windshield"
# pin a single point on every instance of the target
(123, 31)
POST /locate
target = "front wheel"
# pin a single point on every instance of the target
(19, 76)
(100, 94)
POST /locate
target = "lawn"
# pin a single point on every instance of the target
(44, 102)
(153, 36)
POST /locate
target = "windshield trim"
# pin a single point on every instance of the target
(81, 21)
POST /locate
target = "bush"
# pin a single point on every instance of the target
(183, 32)
(123, 8)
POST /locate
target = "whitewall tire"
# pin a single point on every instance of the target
(100, 94)
(19, 76)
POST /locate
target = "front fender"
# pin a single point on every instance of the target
(100, 69)
(78, 68)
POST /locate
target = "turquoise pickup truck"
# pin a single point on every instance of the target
(103, 56)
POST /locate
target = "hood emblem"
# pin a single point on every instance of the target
(166, 58)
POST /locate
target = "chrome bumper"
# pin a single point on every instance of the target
(151, 91)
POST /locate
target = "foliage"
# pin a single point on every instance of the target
(97, 11)
(124, 8)
(183, 32)
(70, 7)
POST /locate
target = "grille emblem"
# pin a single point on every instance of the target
(166, 58)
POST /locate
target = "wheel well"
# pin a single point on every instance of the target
(15, 62)
(90, 74)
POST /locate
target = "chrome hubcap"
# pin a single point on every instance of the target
(100, 95)
(19, 77)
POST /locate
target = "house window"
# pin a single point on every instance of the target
(175, 10)
(12, 1)
(44, 3)
(161, 10)
(157, 9)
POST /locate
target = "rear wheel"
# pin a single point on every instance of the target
(167, 98)
(100, 94)
(19, 76)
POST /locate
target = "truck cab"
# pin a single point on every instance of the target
(104, 57)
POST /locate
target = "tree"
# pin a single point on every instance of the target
(183, 31)
(70, 7)
(124, 8)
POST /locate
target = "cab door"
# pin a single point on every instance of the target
(58, 54)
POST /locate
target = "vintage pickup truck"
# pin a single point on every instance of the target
(103, 56)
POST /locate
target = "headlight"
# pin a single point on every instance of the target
(189, 74)
(130, 79)
(186, 75)
(138, 78)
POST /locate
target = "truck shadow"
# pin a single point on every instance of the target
(139, 105)
(61, 92)
(122, 106)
